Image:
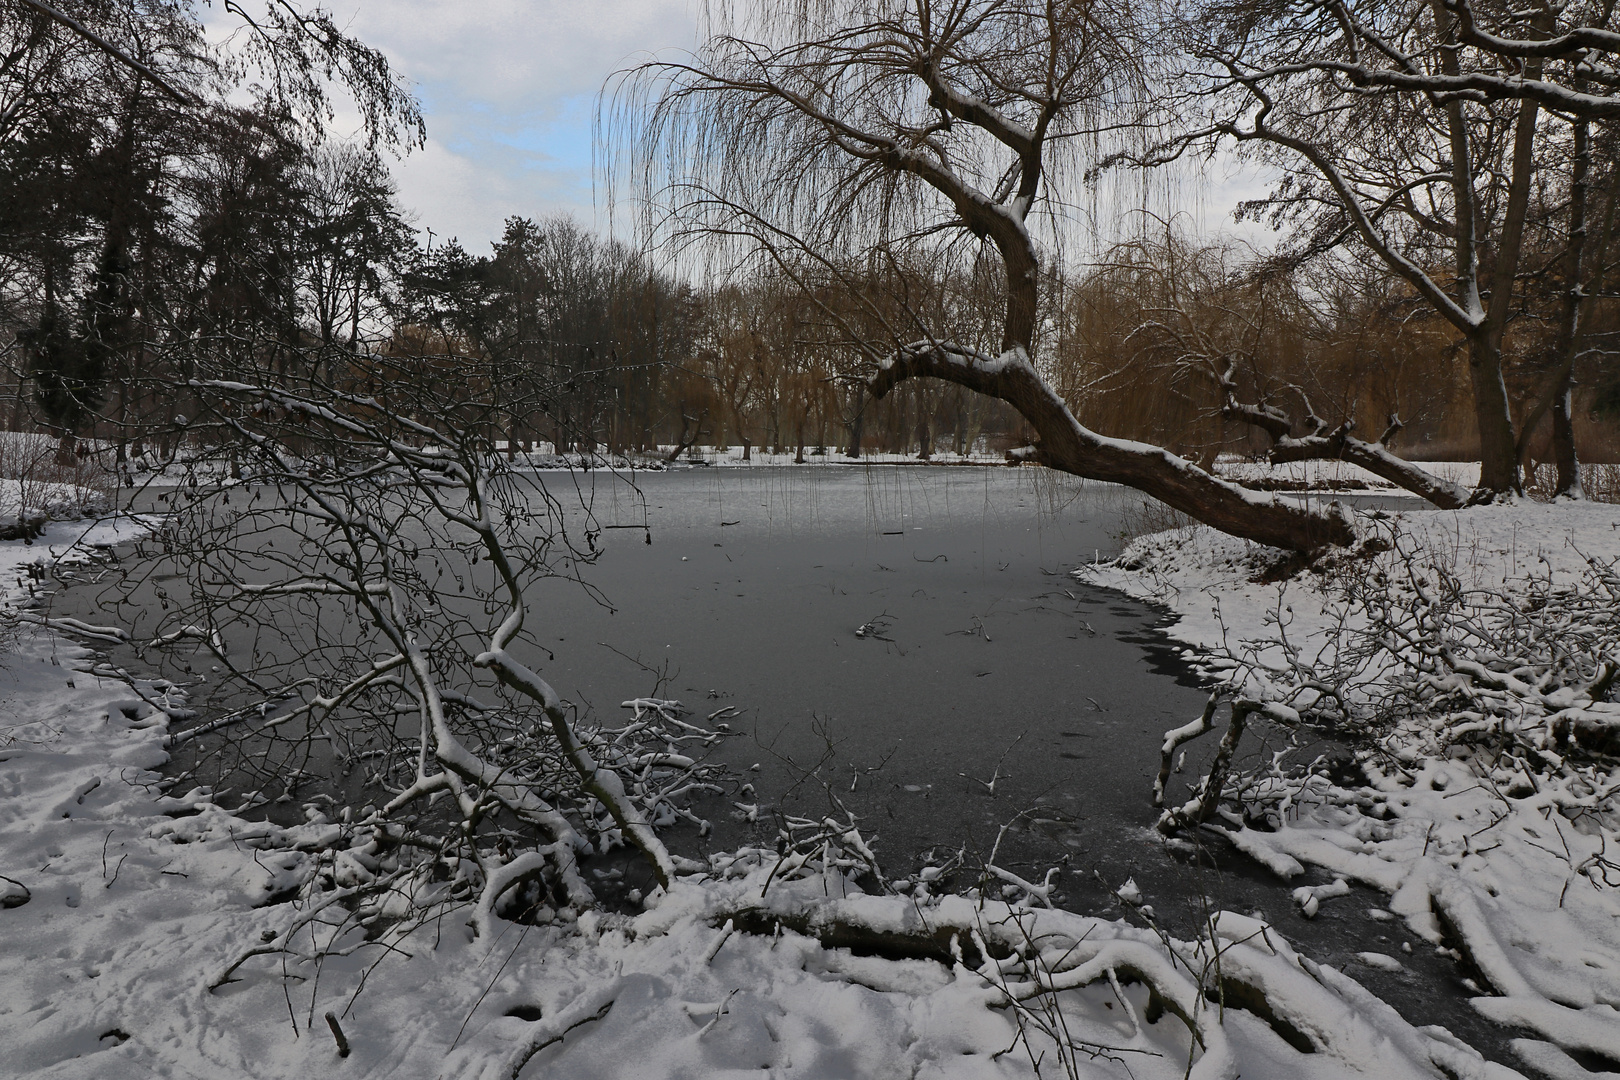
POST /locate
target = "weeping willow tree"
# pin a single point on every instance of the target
(831, 133)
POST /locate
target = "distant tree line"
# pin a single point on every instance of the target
(164, 200)
(168, 204)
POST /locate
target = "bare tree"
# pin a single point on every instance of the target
(353, 241)
(1411, 128)
(820, 133)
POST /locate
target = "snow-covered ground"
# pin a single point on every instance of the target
(1489, 831)
(20, 501)
(141, 933)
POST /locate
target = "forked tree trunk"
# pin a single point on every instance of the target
(1556, 400)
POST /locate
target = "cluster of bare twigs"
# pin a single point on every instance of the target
(1029, 968)
(349, 586)
(45, 483)
(820, 846)
(1600, 481)
(1527, 671)
(1421, 664)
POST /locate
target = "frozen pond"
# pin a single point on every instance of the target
(990, 697)
(995, 691)
(988, 685)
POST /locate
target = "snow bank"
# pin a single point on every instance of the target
(133, 912)
(1494, 839)
(1214, 583)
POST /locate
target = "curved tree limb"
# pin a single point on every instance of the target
(1338, 444)
(1069, 447)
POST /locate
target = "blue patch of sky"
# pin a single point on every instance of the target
(556, 138)
(561, 134)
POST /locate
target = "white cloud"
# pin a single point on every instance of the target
(520, 53)
(470, 195)
(509, 89)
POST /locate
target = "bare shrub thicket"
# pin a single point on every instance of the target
(1145, 336)
(365, 603)
(44, 481)
(1600, 482)
(1157, 310)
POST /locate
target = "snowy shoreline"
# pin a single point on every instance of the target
(1501, 856)
(137, 900)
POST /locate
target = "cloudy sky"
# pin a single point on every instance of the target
(509, 88)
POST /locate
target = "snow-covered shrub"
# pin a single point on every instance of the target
(1398, 639)
(1478, 779)
(1409, 662)
(35, 481)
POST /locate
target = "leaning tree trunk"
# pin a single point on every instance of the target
(1323, 444)
(1064, 444)
(763, 97)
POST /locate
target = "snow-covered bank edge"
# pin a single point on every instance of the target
(1491, 835)
(139, 904)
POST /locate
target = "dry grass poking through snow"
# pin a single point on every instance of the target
(1600, 482)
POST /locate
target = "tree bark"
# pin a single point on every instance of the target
(857, 422)
(1563, 423)
(1568, 485)
(1498, 447)
(1378, 460)
(1339, 444)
